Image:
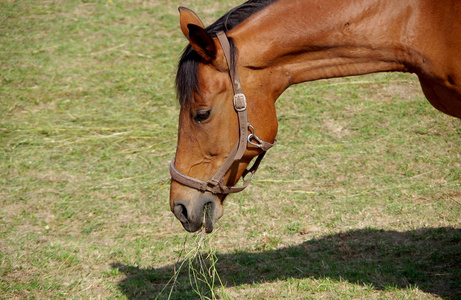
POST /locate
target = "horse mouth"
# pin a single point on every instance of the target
(192, 222)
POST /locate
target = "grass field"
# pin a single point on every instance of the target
(360, 199)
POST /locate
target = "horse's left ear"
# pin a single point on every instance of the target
(194, 30)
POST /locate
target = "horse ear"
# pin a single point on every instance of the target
(186, 17)
(194, 30)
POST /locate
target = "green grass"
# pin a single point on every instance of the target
(360, 199)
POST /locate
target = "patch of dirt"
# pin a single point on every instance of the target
(403, 91)
(335, 129)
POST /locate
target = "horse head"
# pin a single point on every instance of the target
(211, 129)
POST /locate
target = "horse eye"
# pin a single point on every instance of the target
(202, 115)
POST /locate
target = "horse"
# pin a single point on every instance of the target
(232, 72)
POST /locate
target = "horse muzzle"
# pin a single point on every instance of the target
(204, 211)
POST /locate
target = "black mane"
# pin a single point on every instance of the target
(186, 77)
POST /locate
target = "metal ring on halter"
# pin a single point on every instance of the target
(246, 172)
(252, 135)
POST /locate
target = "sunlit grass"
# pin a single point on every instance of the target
(360, 199)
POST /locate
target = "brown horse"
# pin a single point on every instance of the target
(232, 72)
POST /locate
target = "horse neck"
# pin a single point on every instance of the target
(310, 40)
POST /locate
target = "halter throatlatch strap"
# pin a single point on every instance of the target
(215, 185)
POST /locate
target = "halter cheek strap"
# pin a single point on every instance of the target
(215, 185)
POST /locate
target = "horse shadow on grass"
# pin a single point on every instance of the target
(428, 258)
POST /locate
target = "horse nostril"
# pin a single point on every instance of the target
(180, 212)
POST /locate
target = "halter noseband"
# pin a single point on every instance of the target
(215, 185)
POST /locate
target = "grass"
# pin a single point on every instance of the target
(360, 199)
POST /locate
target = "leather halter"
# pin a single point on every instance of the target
(215, 185)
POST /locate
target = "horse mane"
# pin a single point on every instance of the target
(186, 76)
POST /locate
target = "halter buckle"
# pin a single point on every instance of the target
(240, 102)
